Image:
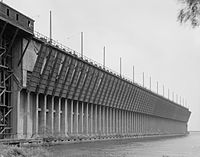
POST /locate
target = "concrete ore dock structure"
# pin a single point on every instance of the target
(47, 89)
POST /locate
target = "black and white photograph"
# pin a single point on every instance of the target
(99, 78)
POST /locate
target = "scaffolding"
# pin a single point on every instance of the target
(5, 93)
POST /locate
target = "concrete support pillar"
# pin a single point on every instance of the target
(65, 116)
(138, 119)
(96, 122)
(19, 116)
(144, 124)
(91, 119)
(103, 120)
(87, 117)
(140, 116)
(126, 122)
(130, 123)
(43, 115)
(71, 117)
(117, 121)
(35, 115)
(113, 121)
(76, 114)
(121, 121)
(140, 123)
(133, 118)
(50, 118)
(136, 123)
(107, 120)
(29, 122)
(82, 117)
(57, 115)
(99, 120)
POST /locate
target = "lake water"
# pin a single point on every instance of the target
(188, 146)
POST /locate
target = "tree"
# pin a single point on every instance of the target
(190, 12)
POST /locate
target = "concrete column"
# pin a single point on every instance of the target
(126, 122)
(139, 126)
(120, 121)
(91, 119)
(136, 123)
(29, 122)
(140, 123)
(113, 122)
(100, 131)
(132, 131)
(43, 114)
(19, 117)
(65, 118)
(130, 122)
(96, 122)
(103, 120)
(82, 116)
(140, 118)
(107, 121)
(57, 115)
(36, 115)
(76, 115)
(87, 116)
(117, 121)
(123, 121)
(72, 117)
(50, 118)
(144, 124)
(143, 128)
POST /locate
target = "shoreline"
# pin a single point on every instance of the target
(50, 141)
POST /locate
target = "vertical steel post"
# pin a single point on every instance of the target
(50, 35)
(133, 74)
(104, 57)
(120, 66)
(82, 44)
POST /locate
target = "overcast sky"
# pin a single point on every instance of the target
(145, 34)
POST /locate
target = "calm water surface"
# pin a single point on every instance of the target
(188, 146)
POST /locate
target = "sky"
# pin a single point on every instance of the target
(145, 34)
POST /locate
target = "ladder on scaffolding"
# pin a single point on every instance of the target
(5, 95)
